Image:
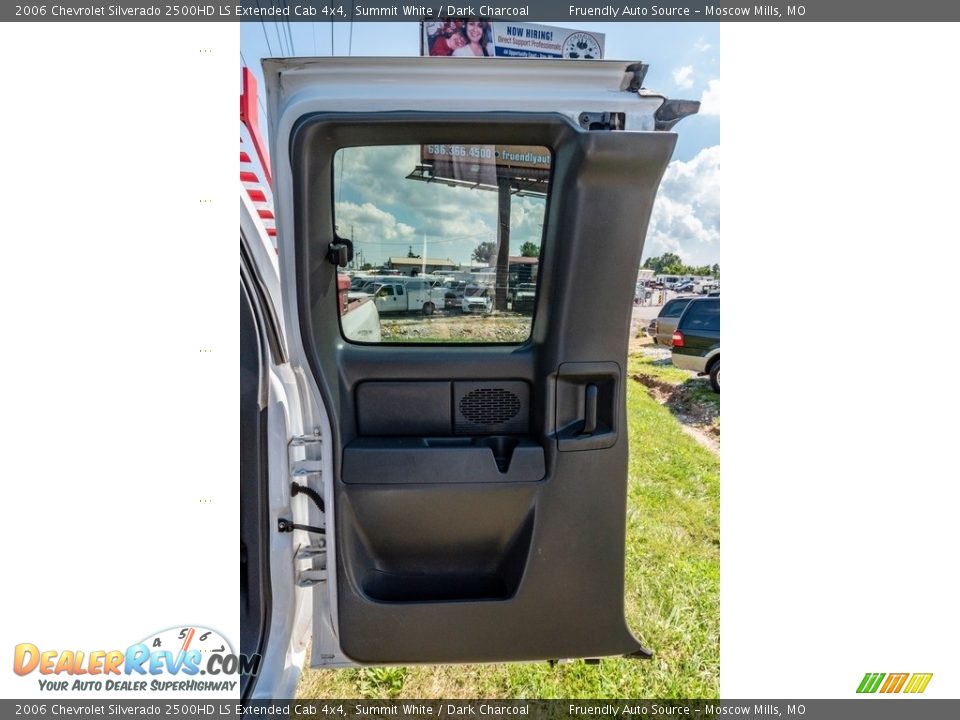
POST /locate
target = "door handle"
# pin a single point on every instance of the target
(590, 409)
(587, 405)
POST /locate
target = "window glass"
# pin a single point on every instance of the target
(457, 230)
(702, 315)
(674, 308)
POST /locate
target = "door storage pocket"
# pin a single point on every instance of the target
(435, 544)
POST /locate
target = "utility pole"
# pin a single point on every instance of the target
(503, 243)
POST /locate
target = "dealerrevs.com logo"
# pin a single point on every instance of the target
(181, 659)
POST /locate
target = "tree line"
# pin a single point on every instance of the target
(486, 252)
(671, 264)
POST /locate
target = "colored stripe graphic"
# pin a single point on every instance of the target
(894, 682)
(870, 682)
(918, 683)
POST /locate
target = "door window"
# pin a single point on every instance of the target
(674, 308)
(460, 215)
(702, 315)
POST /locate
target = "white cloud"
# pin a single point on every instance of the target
(526, 220)
(710, 100)
(390, 212)
(369, 223)
(686, 214)
(701, 45)
(683, 76)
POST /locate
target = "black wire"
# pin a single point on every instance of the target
(269, 46)
(276, 29)
(293, 50)
(281, 24)
(350, 46)
(297, 488)
(285, 24)
(264, 28)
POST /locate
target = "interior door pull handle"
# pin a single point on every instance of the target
(587, 408)
(590, 409)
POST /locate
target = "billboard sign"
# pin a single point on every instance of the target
(514, 156)
(524, 168)
(469, 37)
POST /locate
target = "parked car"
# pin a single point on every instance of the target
(453, 294)
(661, 327)
(524, 296)
(696, 341)
(477, 298)
(685, 286)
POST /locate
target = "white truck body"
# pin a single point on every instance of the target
(408, 295)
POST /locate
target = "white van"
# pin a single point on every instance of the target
(477, 299)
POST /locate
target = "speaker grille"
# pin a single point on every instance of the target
(490, 406)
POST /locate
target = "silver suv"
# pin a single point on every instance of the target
(661, 327)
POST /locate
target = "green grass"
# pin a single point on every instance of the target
(672, 592)
(699, 390)
(658, 369)
(694, 389)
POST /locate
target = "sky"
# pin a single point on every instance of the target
(684, 61)
(386, 214)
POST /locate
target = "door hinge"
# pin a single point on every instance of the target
(314, 576)
(602, 120)
(316, 549)
(301, 440)
(633, 82)
(309, 463)
(340, 252)
(303, 468)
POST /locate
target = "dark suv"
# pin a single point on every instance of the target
(696, 341)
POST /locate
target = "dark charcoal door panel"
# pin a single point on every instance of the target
(522, 558)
